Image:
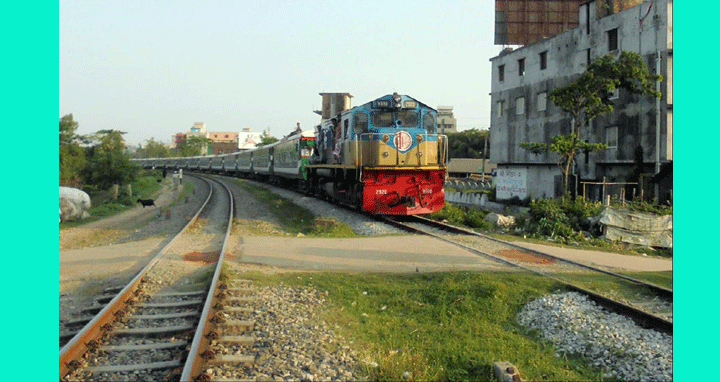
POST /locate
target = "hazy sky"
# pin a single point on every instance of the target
(153, 68)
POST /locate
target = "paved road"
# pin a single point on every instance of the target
(407, 253)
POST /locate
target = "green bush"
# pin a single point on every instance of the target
(579, 210)
(563, 219)
(475, 218)
(643, 206)
(547, 209)
(460, 216)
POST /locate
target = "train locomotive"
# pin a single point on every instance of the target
(384, 157)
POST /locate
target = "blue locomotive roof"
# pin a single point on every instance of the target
(389, 99)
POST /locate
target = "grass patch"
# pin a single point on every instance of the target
(295, 219)
(609, 285)
(438, 326)
(663, 279)
(187, 190)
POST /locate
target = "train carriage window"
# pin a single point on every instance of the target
(429, 123)
(360, 123)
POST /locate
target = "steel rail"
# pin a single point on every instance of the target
(194, 361)
(641, 317)
(94, 329)
(657, 288)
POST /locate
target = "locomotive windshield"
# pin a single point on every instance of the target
(407, 118)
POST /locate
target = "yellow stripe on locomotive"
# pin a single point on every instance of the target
(384, 154)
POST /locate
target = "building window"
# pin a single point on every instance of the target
(542, 101)
(501, 73)
(543, 60)
(611, 137)
(520, 105)
(521, 67)
(612, 39)
(588, 58)
(501, 108)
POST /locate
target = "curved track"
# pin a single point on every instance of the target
(145, 330)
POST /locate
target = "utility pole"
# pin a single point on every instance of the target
(484, 156)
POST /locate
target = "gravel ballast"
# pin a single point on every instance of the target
(293, 343)
(362, 225)
(614, 343)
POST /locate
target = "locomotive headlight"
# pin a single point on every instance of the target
(397, 99)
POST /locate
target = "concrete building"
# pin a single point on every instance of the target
(521, 110)
(223, 142)
(446, 120)
(198, 129)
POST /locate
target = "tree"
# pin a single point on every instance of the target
(108, 163)
(72, 155)
(194, 145)
(589, 97)
(266, 138)
(154, 149)
(469, 144)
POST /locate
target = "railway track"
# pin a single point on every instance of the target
(649, 305)
(199, 327)
(152, 329)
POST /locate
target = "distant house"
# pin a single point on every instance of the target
(447, 123)
(467, 167)
(223, 142)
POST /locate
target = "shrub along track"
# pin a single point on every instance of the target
(649, 305)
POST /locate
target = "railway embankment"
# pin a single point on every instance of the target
(409, 308)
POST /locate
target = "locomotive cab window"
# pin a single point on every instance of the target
(360, 123)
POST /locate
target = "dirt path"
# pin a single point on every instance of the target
(112, 228)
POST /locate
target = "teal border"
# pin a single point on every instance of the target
(695, 207)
